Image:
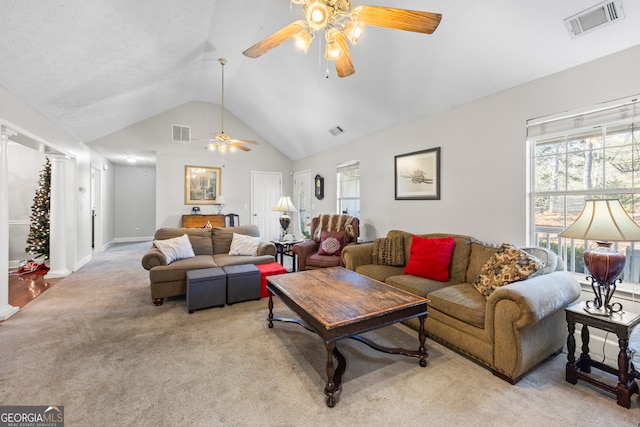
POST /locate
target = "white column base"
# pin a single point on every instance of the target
(8, 311)
(56, 274)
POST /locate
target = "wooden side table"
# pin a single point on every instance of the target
(620, 324)
(285, 247)
(199, 221)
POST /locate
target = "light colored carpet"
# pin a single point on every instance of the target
(96, 344)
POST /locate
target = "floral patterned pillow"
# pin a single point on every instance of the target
(331, 243)
(509, 264)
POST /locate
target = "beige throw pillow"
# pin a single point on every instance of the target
(176, 248)
(389, 251)
(244, 245)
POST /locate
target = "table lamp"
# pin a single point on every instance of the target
(285, 205)
(219, 203)
(604, 221)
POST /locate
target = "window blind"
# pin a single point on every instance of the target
(623, 110)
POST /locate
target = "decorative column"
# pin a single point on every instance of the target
(58, 237)
(6, 310)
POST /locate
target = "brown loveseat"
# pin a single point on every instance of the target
(514, 329)
(211, 248)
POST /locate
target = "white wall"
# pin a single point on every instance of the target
(483, 174)
(135, 198)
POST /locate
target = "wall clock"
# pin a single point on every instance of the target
(319, 185)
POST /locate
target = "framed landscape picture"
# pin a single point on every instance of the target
(417, 175)
(201, 185)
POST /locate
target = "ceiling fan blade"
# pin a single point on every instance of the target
(344, 66)
(398, 19)
(239, 146)
(274, 39)
(243, 141)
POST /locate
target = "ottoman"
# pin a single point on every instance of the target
(206, 287)
(267, 270)
(243, 283)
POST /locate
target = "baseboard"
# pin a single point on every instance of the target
(84, 261)
(57, 274)
(132, 239)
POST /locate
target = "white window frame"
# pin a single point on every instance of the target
(352, 168)
(601, 118)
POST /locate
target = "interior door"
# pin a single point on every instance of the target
(266, 188)
(302, 189)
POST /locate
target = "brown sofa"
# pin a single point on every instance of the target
(211, 248)
(511, 331)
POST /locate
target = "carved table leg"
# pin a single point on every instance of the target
(626, 384)
(330, 387)
(270, 305)
(334, 374)
(584, 363)
(422, 336)
(570, 375)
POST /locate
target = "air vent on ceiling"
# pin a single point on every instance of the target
(593, 18)
(181, 134)
(336, 131)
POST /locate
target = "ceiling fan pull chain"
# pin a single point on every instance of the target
(320, 57)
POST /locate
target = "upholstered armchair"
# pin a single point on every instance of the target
(329, 234)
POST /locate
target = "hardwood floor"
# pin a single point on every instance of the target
(25, 288)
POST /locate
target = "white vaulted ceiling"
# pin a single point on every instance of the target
(96, 66)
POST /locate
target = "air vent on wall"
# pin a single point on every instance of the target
(593, 18)
(181, 134)
(336, 131)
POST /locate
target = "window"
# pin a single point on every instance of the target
(349, 188)
(573, 157)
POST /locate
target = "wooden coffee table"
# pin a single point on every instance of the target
(337, 303)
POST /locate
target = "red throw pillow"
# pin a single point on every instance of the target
(331, 243)
(430, 257)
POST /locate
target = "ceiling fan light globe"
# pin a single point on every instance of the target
(222, 148)
(353, 31)
(212, 147)
(333, 50)
(317, 15)
(303, 39)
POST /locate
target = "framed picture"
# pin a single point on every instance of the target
(201, 185)
(417, 175)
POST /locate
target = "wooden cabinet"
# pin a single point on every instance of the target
(199, 221)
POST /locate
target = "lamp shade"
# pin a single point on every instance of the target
(219, 200)
(285, 205)
(603, 220)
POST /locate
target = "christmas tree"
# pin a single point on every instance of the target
(38, 239)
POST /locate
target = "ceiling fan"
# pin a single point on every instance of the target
(341, 23)
(221, 140)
